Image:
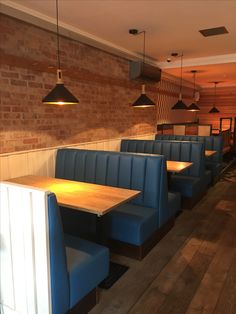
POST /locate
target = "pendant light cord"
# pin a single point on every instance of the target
(215, 94)
(181, 70)
(58, 40)
(144, 45)
(194, 85)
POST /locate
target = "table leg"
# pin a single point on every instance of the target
(102, 236)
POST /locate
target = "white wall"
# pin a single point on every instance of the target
(24, 251)
(42, 162)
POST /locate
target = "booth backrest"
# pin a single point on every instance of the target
(60, 290)
(172, 150)
(145, 173)
(211, 142)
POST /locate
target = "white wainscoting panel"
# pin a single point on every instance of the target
(24, 251)
(42, 162)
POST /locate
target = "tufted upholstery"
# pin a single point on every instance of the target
(190, 183)
(76, 266)
(211, 143)
(141, 216)
(118, 170)
(214, 162)
(179, 151)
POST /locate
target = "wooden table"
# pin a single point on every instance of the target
(209, 153)
(177, 166)
(88, 197)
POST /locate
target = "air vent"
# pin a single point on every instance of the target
(213, 31)
(144, 71)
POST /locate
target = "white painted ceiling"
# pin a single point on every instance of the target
(170, 25)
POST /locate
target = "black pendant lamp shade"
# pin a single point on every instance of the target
(193, 106)
(59, 95)
(180, 104)
(214, 109)
(143, 101)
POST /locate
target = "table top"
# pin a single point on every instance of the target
(209, 153)
(88, 197)
(177, 166)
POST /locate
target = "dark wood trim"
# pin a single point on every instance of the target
(86, 304)
(139, 252)
(169, 126)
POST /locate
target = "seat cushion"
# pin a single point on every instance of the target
(132, 223)
(174, 202)
(87, 264)
(187, 186)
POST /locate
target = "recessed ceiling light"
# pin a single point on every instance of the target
(213, 31)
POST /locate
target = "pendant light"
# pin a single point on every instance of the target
(180, 104)
(214, 109)
(59, 95)
(193, 106)
(143, 100)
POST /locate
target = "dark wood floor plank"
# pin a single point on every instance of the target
(184, 289)
(171, 277)
(203, 240)
(127, 291)
(227, 300)
(208, 292)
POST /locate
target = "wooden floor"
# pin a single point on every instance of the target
(192, 270)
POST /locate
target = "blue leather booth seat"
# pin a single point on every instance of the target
(213, 163)
(191, 183)
(77, 266)
(135, 221)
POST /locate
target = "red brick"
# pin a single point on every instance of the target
(5, 109)
(4, 81)
(18, 83)
(35, 85)
(20, 109)
(27, 77)
(10, 74)
(30, 141)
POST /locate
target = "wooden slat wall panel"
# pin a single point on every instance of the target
(24, 255)
(225, 102)
(167, 97)
(42, 162)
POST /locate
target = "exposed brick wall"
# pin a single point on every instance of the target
(100, 80)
